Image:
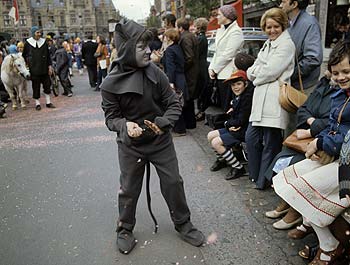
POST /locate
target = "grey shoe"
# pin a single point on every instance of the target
(126, 241)
(190, 234)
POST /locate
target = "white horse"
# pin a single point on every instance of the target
(14, 74)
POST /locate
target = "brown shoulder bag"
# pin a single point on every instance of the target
(290, 98)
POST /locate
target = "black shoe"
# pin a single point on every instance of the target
(235, 173)
(38, 107)
(218, 164)
(64, 94)
(190, 234)
(97, 89)
(50, 105)
(125, 241)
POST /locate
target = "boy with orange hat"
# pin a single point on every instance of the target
(232, 135)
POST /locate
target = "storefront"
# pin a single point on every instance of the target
(334, 21)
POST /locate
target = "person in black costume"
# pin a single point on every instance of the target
(37, 56)
(141, 107)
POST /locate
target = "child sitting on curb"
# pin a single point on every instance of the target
(232, 135)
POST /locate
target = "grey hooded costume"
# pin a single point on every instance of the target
(134, 94)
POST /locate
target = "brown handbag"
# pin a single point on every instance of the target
(290, 98)
(296, 144)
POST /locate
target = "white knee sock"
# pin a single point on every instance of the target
(47, 97)
(327, 241)
(37, 102)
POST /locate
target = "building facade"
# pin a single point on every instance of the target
(63, 18)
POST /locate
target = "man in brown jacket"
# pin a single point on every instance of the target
(189, 45)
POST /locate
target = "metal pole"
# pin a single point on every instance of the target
(221, 2)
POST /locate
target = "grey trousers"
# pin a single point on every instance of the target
(132, 161)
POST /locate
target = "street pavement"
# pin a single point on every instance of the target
(58, 196)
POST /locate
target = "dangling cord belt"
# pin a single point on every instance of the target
(148, 177)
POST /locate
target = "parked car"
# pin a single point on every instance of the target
(254, 38)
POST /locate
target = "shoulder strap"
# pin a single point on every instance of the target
(299, 72)
(342, 110)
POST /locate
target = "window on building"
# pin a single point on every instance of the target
(52, 18)
(25, 35)
(73, 19)
(22, 20)
(62, 18)
(337, 22)
(7, 20)
(87, 17)
(61, 2)
(40, 23)
(38, 2)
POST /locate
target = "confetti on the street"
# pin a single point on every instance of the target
(212, 238)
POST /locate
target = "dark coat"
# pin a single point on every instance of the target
(203, 76)
(158, 104)
(242, 107)
(155, 45)
(331, 138)
(38, 59)
(318, 106)
(174, 67)
(130, 93)
(189, 45)
(62, 66)
(87, 51)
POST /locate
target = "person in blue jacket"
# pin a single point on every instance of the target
(311, 186)
(174, 67)
(233, 134)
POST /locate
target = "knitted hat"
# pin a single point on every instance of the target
(243, 61)
(34, 29)
(239, 74)
(12, 49)
(229, 12)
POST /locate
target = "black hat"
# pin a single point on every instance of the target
(243, 61)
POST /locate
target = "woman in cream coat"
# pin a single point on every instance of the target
(275, 64)
(229, 38)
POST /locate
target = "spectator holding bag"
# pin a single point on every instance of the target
(274, 64)
(102, 60)
(312, 118)
(311, 186)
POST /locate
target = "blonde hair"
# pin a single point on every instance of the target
(201, 24)
(20, 44)
(77, 40)
(172, 34)
(278, 15)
